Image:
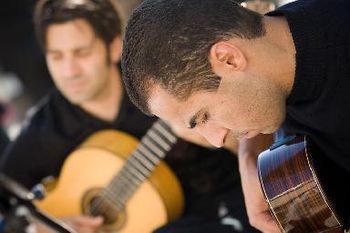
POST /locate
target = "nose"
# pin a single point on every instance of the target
(70, 68)
(214, 135)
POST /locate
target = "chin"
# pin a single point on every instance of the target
(74, 99)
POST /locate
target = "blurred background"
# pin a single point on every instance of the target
(24, 78)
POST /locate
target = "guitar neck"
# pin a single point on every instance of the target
(152, 149)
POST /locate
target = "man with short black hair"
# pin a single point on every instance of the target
(222, 70)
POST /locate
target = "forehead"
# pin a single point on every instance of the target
(71, 33)
(161, 102)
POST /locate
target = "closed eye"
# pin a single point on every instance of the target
(199, 118)
(55, 56)
(83, 52)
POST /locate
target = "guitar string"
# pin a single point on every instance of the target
(125, 193)
(135, 171)
(146, 151)
(144, 163)
(133, 174)
(136, 174)
(164, 145)
(125, 183)
(165, 131)
(154, 158)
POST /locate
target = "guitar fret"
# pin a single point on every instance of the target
(124, 181)
(123, 188)
(155, 137)
(107, 197)
(145, 169)
(126, 174)
(145, 151)
(127, 194)
(120, 191)
(133, 172)
(144, 161)
(169, 136)
(153, 148)
(138, 170)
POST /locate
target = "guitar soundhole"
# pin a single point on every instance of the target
(94, 204)
(99, 207)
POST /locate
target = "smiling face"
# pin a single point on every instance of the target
(77, 60)
(243, 106)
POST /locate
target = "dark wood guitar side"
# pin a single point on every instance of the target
(293, 191)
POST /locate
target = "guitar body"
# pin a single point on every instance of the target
(293, 191)
(92, 166)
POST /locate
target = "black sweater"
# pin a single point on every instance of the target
(319, 104)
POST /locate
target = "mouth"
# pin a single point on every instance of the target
(75, 85)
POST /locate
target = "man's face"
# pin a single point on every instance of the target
(243, 106)
(77, 60)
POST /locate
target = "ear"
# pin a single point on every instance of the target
(115, 49)
(225, 57)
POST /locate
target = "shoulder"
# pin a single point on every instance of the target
(311, 8)
(39, 115)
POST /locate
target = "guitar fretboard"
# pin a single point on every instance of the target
(139, 165)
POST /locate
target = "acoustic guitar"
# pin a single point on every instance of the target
(293, 190)
(114, 175)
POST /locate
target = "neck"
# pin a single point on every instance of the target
(106, 104)
(273, 55)
(279, 40)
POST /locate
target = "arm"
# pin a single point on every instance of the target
(81, 224)
(257, 208)
(20, 159)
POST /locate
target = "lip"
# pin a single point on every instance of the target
(75, 85)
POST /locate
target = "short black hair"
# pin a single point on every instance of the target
(100, 14)
(167, 42)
